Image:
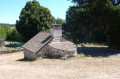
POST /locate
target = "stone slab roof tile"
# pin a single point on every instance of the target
(67, 45)
(38, 41)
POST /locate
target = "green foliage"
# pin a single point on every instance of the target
(100, 15)
(3, 32)
(10, 25)
(108, 14)
(33, 19)
(59, 21)
(13, 35)
(1, 43)
(82, 55)
(9, 34)
(64, 57)
(79, 29)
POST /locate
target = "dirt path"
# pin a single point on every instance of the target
(73, 68)
(9, 58)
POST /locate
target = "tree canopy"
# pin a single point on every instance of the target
(99, 13)
(80, 29)
(33, 19)
(60, 21)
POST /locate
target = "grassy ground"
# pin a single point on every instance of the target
(8, 48)
(11, 45)
(80, 67)
(92, 44)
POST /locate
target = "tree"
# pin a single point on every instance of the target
(75, 24)
(33, 19)
(104, 14)
(79, 27)
(12, 35)
(1, 43)
(59, 21)
(2, 32)
(108, 14)
(87, 2)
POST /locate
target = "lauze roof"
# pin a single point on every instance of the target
(66, 45)
(38, 41)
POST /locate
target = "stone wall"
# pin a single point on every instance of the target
(29, 55)
(60, 53)
(42, 52)
(51, 52)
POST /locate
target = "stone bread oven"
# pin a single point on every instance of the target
(49, 44)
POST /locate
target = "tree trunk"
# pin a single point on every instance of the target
(108, 37)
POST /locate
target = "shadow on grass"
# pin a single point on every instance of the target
(97, 51)
(14, 45)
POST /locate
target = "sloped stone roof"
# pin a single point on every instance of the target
(66, 45)
(38, 41)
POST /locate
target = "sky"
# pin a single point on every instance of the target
(10, 9)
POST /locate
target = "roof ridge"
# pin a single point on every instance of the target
(45, 44)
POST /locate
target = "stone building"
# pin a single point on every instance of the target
(49, 44)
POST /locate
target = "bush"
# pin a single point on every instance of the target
(13, 35)
(64, 57)
(3, 32)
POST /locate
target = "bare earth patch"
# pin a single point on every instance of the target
(73, 68)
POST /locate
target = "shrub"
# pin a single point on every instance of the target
(64, 57)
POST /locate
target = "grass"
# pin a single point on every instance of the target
(8, 48)
(12, 45)
(95, 44)
(64, 57)
(82, 55)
